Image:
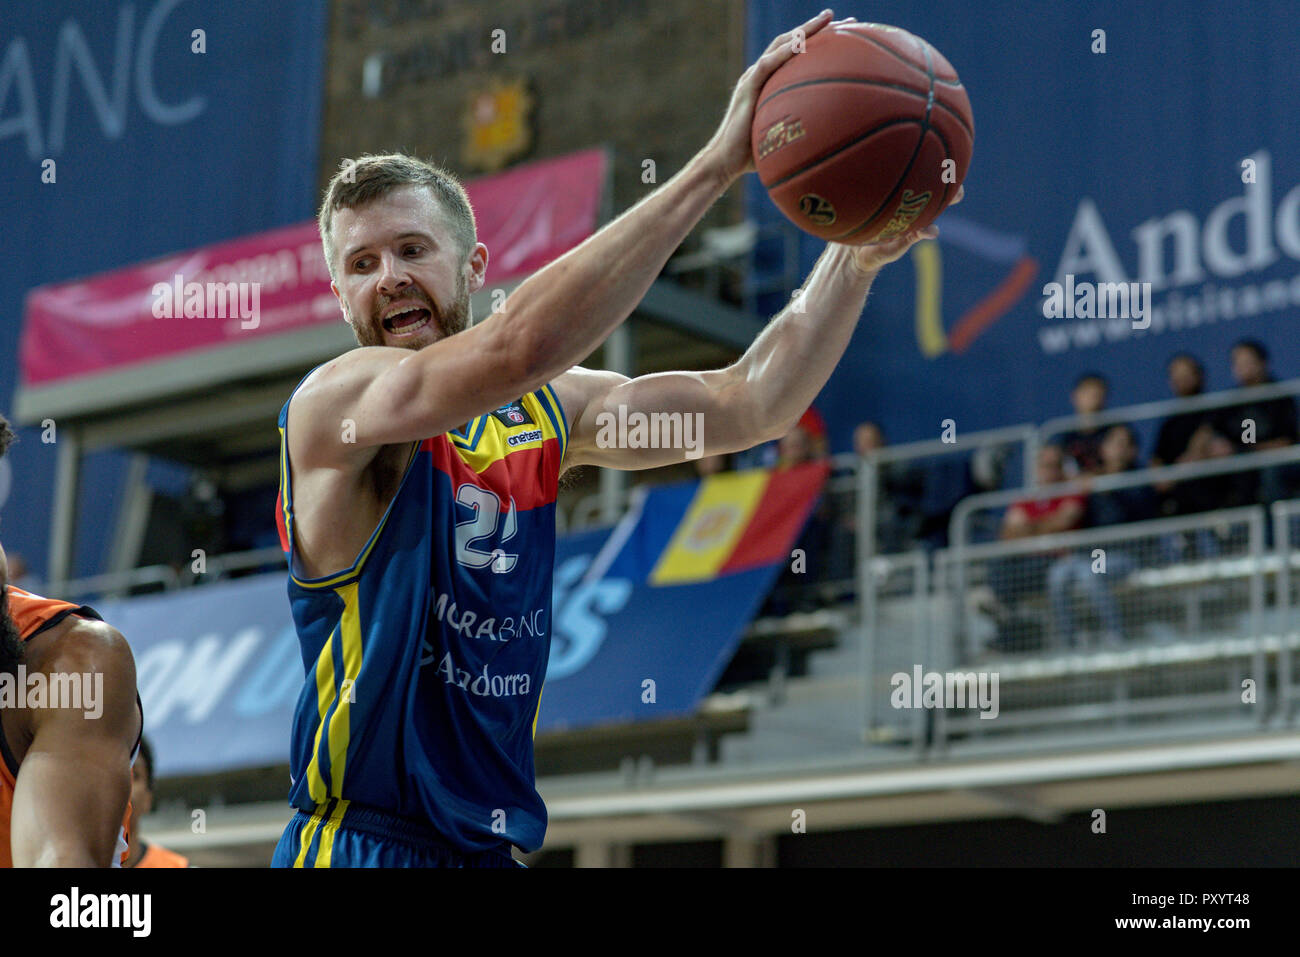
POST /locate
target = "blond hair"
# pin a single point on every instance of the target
(373, 177)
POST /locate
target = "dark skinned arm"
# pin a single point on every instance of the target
(75, 779)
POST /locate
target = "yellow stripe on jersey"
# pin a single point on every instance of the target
(340, 730)
(538, 714)
(324, 697)
(491, 445)
(552, 401)
(285, 490)
(339, 693)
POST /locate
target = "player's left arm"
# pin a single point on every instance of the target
(75, 779)
(759, 397)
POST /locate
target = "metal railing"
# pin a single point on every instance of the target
(1286, 533)
(1165, 624)
(1112, 626)
(1022, 440)
(877, 465)
(113, 585)
(1127, 415)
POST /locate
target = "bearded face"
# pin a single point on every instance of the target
(410, 319)
(402, 276)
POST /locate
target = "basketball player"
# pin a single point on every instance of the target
(65, 772)
(418, 486)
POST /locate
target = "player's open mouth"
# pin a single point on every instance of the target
(408, 322)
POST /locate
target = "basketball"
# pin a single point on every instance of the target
(863, 136)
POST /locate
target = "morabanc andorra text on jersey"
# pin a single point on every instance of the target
(425, 659)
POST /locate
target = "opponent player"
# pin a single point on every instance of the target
(419, 477)
(65, 772)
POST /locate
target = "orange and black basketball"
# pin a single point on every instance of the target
(864, 135)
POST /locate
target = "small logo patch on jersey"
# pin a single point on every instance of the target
(513, 414)
(523, 438)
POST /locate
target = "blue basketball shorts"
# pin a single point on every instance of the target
(343, 834)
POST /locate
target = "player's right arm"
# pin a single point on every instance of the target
(377, 396)
(75, 778)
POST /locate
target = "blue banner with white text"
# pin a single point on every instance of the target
(644, 620)
(130, 129)
(1115, 142)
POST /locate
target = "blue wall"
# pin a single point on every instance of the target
(156, 149)
(1157, 124)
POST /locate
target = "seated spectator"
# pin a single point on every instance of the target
(141, 853)
(1260, 425)
(806, 442)
(1083, 445)
(1189, 437)
(707, 465)
(1015, 578)
(898, 509)
(946, 480)
(20, 576)
(1186, 437)
(1119, 452)
(898, 495)
(1045, 516)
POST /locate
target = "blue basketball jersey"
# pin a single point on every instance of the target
(425, 658)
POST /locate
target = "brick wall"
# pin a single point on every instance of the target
(649, 78)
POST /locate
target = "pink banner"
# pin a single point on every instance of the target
(276, 281)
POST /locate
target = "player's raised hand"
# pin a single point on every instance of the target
(872, 257)
(730, 148)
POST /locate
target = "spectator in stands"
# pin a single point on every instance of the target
(898, 508)
(1083, 445)
(707, 465)
(899, 492)
(1119, 453)
(805, 443)
(20, 575)
(1187, 437)
(142, 853)
(868, 437)
(1015, 578)
(1260, 425)
(1060, 513)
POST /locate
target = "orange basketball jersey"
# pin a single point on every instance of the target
(34, 615)
(155, 855)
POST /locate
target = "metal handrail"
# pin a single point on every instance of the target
(1004, 435)
(1151, 410)
(1282, 512)
(1248, 462)
(239, 561)
(1105, 534)
(111, 583)
(1164, 407)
